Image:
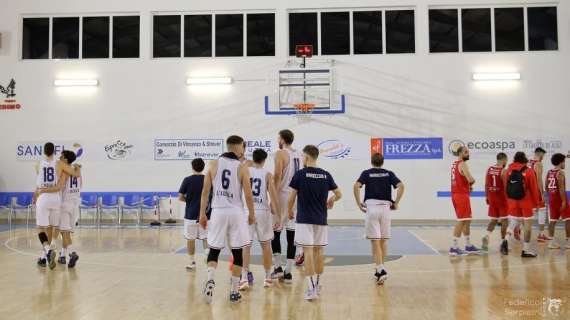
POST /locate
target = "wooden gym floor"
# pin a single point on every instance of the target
(136, 273)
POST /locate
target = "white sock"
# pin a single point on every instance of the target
(318, 280)
(43, 254)
(192, 260)
(379, 267)
(235, 283)
(300, 248)
(62, 252)
(289, 265)
(46, 248)
(311, 282)
(467, 241)
(211, 271)
(455, 242)
(70, 249)
(244, 273)
(277, 260)
(267, 274)
(526, 246)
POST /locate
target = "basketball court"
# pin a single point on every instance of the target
(460, 109)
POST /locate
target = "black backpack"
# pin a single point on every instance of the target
(515, 185)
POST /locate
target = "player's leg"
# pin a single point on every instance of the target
(311, 292)
(291, 248)
(246, 278)
(264, 232)
(457, 230)
(504, 221)
(490, 228)
(191, 234)
(53, 232)
(64, 227)
(239, 237)
(567, 227)
(319, 259)
(551, 229)
(541, 217)
(217, 231)
(267, 263)
(527, 215)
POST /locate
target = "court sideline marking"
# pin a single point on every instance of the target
(424, 242)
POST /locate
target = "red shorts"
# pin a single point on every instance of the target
(521, 213)
(462, 205)
(556, 213)
(498, 210)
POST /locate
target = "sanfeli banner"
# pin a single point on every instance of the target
(188, 149)
(34, 150)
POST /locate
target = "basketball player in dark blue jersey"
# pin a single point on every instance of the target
(377, 204)
(310, 187)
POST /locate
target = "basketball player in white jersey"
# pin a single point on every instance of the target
(287, 162)
(48, 205)
(263, 189)
(227, 177)
(70, 188)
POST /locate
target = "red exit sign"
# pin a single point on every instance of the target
(304, 50)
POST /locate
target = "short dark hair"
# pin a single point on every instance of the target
(501, 156)
(377, 160)
(539, 150)
(287, 136)
(460, 150)
(69, 156)
(520, 157)
(259, 155)
(49, 149)
(557, 159)
(198, 164)
(312, 151)
(234, 140)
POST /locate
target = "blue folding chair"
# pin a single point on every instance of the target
(131, 202)
(110, 202)
(22, 201)
(149, 202)
(89, 202)
(5, 204)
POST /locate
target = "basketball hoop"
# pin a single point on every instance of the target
(304, 108)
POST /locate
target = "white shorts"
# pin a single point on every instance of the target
(263, 226)
(69, 215)
(228, 224)
(194, 231)
(377, 223)
(311, 235)
(286, 223)
(48, 208)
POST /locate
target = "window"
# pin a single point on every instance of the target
(542, 28)
(95, 37)
(335, 33)
(198, 36)
(443, 30)
(367, 32)
(400, 31)
(65, 38)
(476, 30)
(166, 36)
(229, 35)
(303, 30)
(126, 36)
(35, 38)
(261, 34)
(509, 29)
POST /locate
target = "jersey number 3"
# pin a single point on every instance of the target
(255, 186)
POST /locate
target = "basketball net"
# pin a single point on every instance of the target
(304, 111)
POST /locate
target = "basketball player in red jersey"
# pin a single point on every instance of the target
(461, 185)
(522, 196)
(540, 210)
(497, 201)
(559, 208)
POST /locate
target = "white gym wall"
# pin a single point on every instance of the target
(397, 95)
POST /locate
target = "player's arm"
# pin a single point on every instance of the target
(337, 195)
(37, 167)
(279, 166)
(74, 171)
(356, 192)
(182, 191)
(562, 189)
(291, 203)
(539, 170)
(182, 198)
(399, 194)
(273, 196)
(246, 185)
(208, 178)
(58, 187)
(464, 168)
